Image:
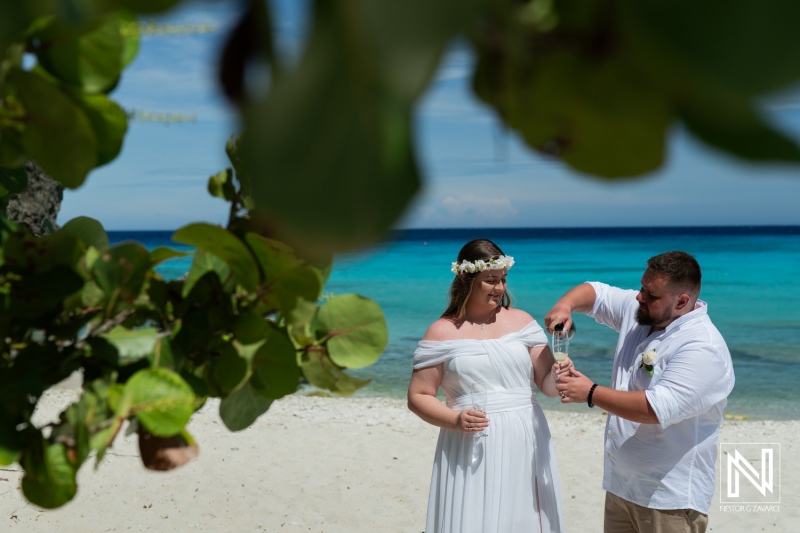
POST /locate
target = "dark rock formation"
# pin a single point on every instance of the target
(38, 206)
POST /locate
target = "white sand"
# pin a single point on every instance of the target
(335, 465)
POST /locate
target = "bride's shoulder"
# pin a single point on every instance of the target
(441, 330)
(518, 318)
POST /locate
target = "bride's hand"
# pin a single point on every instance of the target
(562, 369)
(471, 421)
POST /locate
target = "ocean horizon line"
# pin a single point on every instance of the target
(450, 232)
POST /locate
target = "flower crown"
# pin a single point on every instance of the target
(504, 261)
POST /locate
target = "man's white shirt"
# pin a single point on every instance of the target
(669, 465)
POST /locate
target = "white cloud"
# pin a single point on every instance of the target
(463, 210)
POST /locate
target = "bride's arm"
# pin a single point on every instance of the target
(423, 402)
(543, 373)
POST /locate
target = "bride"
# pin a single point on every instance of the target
(505, 481)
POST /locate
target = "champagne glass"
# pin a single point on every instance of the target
(479, 398)
(560, 344)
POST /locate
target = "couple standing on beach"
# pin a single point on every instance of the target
(671, 378)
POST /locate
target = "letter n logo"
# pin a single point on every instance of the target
(748, 472)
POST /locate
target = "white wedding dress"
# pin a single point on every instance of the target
(506, 482)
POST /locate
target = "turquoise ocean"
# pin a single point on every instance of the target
(751, 281)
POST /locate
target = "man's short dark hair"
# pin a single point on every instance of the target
(680, 268)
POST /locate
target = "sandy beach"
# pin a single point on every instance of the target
(335, 465)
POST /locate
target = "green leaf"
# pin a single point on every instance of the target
(120, 272)
(10, 446)
(161, 400)
(336, 131)
(729, 123)
(130, 43)
(49, 480)
(15, 20)
(355, 328)
(110, 124)
(284, 274)
(738, 46)
(13, 180)
(87, 230)
(58, 135)
(92, 295)
(275, 365)
(250, 327)
(274, 257)
(38, 295)
(12, 153)
(242, 407)
(221, 185)
(229, 370)
(302, 282)
(233, 152)
(203, 263)
(163, 356)
(78, 422)
(302, 314)
(321, 372)
(565, 104)
(30, 255)
(163, 253)
(99, 413)
(89, 58)
(324, 266)
(132, 345)
(226, 246)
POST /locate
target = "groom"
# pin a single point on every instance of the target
(671, 378)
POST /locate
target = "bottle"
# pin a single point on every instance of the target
(559, 327)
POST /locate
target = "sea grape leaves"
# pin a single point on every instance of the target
(226, 246)
(242, 407)
(49, 479)
(58, 135)
(734, 45)
(110, 124)
(87, 230)
(203, 263)
(730, 123)
(229, 369)
(336, 131)
(160, 399)
(601, 84)
(120, 272)
(163, 253)
(275, 365)
(132, 345)
(355, 329)
(13, 180)
(88, 58)
(321, 372)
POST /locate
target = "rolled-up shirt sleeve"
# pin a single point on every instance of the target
(610, 304)
(694, 379)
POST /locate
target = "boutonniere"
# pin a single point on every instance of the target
(648, 358)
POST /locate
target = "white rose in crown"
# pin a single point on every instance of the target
(649, 357)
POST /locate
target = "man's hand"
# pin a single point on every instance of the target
(559, 314)
(573, 387)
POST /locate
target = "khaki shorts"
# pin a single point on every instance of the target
(622, 516)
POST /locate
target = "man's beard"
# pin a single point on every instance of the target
(646, 319)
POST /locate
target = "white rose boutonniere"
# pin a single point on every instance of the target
(648, 358)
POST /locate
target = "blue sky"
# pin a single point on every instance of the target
(476, 174)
